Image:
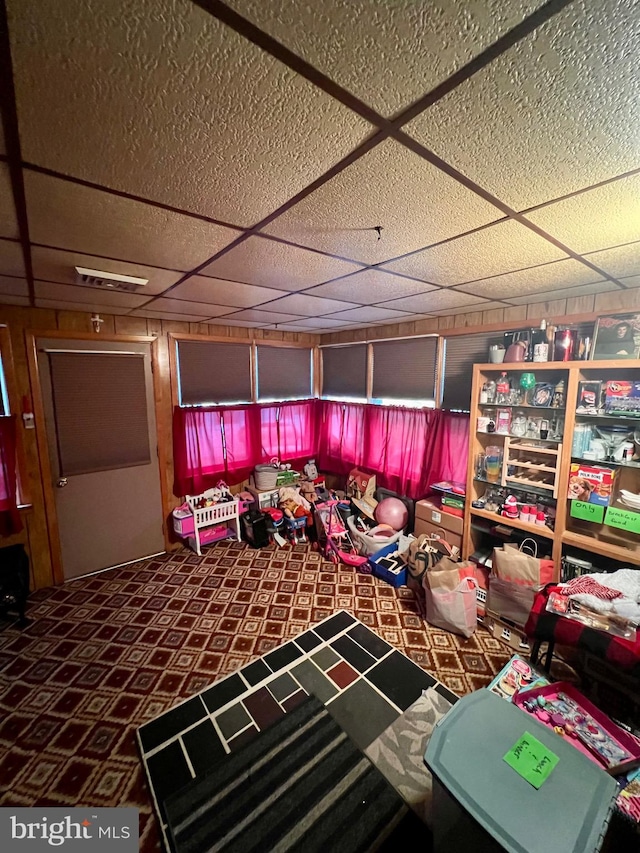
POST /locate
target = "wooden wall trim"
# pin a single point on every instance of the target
(51, 514)
(164, 438)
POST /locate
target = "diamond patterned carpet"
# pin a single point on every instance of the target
(107, 653)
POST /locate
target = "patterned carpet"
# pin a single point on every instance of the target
(107, 653)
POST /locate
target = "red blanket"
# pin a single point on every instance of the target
(542, 625)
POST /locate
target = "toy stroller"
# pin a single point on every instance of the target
(334, 538)
(296, 529)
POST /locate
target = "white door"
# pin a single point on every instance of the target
(101, 431)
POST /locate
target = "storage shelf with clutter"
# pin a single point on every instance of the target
(587, 435)
(603, 493)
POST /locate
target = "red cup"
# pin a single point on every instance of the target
(564, 344)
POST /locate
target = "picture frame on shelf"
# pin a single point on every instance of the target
(617, 336)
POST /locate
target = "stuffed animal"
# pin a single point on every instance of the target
(308, 491)
(293, 503)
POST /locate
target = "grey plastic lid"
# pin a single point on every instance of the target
(569, 812)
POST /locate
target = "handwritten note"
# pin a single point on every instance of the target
(623, 518)
(531, 759)
(587, 511)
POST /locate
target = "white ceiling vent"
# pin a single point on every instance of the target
(109, 280)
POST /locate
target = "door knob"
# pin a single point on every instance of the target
(62, 482)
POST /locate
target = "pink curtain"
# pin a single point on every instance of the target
(399, 445)
(10, 521)
(409, 449)
(451, 450)
(341, 441)
(198, 450)
(290, 430)
(213, 443)
(241, 442)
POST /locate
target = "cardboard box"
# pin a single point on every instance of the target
(360, 484)
(511, 635)
(590, 483)
(427, 510)
(422, 526)
(515, 676)
(622, 396)
(482, 577)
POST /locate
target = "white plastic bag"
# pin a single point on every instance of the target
(453, 610)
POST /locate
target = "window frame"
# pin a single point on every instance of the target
(12, 399)
(426, 403)
(253, 343)
(313, 368)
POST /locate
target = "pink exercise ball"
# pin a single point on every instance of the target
(393, 512)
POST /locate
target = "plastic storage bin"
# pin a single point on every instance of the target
(368, 545)
(183, 523)
(480, 803)
(394, 578)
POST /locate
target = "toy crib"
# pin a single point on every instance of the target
(213, 522)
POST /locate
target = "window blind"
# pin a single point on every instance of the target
(100, 409)
(284, 373)
(344, 371)
(212, 372)
(405, 369)
(461, 353)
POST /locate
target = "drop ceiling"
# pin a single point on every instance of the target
(319, 167)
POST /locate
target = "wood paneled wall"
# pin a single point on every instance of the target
(559, 311)
(19, 321)
(35, 535)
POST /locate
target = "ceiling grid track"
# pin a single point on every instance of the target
(334, 271)
(12, 142)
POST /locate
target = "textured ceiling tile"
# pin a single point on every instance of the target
(11, 262)
(311, 306)
(272, 264)
(13, 286)
(75, 217)
(555, 113)
(631, 282)
(165, 315)
(253, 315)
(316, 323)
(555, 276)
(200, 288)
(468, 309)
(434, 301)
(407, 48)
(370, 314)
(370, 286)
(245, 324)
(602, 217)
(86, 295)
(501, 248)
(415, 203)
(8, 221)
(180, 306)
(10, 299)
(158, 98)
(85, 307)
(52, 265)
(619, 261)
(565, 293)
